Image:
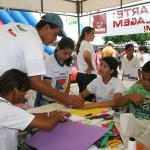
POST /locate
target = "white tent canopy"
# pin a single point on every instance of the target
(78, 7)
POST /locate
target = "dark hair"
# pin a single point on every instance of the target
(82, 37)
(11, 79)
(64, 43)
(128, 46)
(143, 48)
(42, 23)
(146, 67)
(113, 64)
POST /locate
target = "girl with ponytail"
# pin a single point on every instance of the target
(86, 60)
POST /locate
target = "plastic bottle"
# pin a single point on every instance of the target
(131, 144)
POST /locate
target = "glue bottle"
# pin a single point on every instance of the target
(131, 144)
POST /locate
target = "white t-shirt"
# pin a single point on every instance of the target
(105, 92)
(58, 74)
(130, 67)
(82, 65)
(21, 48)
(12, 119)
(143, 58)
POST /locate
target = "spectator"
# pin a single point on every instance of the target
(130, 65)
(143, 55)
(109, 50)
(86, 60)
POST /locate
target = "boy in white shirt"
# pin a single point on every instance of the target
(130, 65)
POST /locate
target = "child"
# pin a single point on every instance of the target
(58, 68)
(138, 100)
(13, 86)
(107, 87)
(130, 65)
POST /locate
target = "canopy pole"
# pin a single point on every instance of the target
(120, 3)
(78, 16)
(42, 6)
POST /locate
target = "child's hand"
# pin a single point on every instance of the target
(88, 106)
(136, 98)
(64, 116)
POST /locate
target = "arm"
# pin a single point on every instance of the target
(136, 98)
(139, 73)
(68, 87)
(38, 85)
(87, 58)
(48, 122)
(110, 103)
(85, 93)
(75, 60)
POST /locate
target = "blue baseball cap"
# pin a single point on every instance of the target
(55, 19)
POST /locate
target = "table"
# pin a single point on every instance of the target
(57, 106)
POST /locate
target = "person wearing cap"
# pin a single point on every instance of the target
(21, 47)
(109, 50)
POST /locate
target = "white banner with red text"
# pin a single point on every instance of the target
(131, 20)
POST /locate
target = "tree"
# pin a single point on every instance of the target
(140, 39)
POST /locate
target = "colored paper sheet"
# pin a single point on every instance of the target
(67, 136)
(93, 111)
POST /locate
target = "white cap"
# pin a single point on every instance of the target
(109, 43)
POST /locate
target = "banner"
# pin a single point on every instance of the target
(131, 20)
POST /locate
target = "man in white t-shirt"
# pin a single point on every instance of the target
(21, 47)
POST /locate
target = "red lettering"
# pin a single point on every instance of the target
(126, 22)
(140, 21)
(120, 14)
(144, 10)
(135, 11)
(127, 11)
(115, 24)
(133, 21)
(146, 28)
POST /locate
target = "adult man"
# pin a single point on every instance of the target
(109, 50)
(21, 48)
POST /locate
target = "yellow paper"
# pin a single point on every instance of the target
(93, 111)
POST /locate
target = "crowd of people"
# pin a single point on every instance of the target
(22, 67)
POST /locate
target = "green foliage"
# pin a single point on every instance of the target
(140, 39)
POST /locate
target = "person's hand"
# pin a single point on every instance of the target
(88, 106)
(89, 70)
(136, 98)
(74, 101)
(63, 116)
